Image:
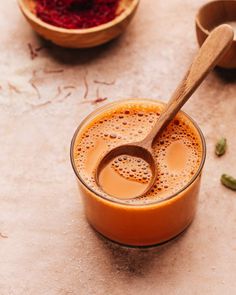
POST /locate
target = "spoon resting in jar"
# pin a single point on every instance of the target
(209, 54)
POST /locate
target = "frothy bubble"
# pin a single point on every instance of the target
(132, 168)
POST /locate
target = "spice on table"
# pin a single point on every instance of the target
(76, 14)
(47, 71)
(220, 148)
(3, 236)
(39, 48)
(99, 99)
(86, 91)
(32, 51)
(228, 181)
(69, 87)
(104, 82)
(13, 88)
(31, 82)
(68, 95)
(58, 93)
(96, 100)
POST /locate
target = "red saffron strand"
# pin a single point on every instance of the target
(76, 14)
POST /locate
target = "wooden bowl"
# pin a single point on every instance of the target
(80, 38)
(211, 15)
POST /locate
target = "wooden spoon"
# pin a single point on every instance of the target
(209, 54)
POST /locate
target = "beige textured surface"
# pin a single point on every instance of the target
(49, 248)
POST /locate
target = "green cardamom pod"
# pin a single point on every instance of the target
(221, 147)
(228, 181)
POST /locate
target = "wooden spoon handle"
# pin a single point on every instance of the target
(209, 54)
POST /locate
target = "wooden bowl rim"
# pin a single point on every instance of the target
(200, 26)
(120, 18)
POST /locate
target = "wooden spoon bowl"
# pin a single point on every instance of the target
(80, 38)
(212, 15)
(134, 150)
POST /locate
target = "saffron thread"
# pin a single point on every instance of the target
(69, 87)
(104, 82)
(13, 88)
(33, 54)
(3, 236)
(35, 88)
(46, 71)
(98, 100)
(86, 86)
(58, 92)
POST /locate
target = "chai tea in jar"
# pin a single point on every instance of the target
(169, 207)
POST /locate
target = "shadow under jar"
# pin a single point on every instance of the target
(170, 207)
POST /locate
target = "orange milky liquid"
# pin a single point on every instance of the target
(165, 211)
(177, 151)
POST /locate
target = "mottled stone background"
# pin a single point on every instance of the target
(46, 245)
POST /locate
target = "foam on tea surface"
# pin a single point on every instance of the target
(132, 168)
(177, 150)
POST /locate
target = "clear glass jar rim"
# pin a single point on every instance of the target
(123, 202)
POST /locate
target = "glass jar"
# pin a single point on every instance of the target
(132, 224)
